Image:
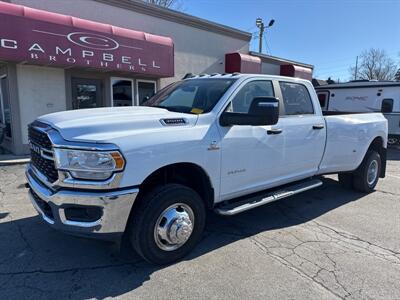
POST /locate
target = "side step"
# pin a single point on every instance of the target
(256, 200)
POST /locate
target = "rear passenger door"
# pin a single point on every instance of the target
(304, 130)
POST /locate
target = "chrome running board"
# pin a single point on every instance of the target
(233, 208)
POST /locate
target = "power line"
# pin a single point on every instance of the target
(393, 55)
(267, 46)
(251, 28)
(333, 69)
(330, 72)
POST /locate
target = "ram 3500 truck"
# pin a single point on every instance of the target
(227, 143)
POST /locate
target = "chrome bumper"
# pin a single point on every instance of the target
(115, 207)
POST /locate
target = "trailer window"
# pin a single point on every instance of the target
(296, 99)
(387, 105)
(323, 97)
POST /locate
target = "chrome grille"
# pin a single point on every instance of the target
(39, 140)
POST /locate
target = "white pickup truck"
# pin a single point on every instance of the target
(226, 143)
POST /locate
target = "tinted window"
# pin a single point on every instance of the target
(296, 99)
(387, 105)
(322, 99)
(242, 100)
(122, 92)
(146, 90)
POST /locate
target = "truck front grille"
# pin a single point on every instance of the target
(40, 140)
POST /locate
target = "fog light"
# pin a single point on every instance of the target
(83, 213)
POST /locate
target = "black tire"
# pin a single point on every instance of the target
(148, 211)
(360, 180)
(346, 180)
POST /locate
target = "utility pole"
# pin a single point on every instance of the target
(260, 24)
(355, 73)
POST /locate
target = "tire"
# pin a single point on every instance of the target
(362, 181)
(162, 201)
(346, 180)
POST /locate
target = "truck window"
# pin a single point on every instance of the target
(387, 105)
(296, 99)
(242, 100)
(194, 96)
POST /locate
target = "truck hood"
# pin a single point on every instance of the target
(108, 123)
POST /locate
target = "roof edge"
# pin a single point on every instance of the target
(281, 60)
(178, 17)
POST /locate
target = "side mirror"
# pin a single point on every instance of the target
(263, 111)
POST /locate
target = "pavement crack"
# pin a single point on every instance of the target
(387, 193)
(289, 265)
(92, 268)
(353, 237)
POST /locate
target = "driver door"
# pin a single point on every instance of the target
(251, 156)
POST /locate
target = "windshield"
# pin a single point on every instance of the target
(194, 96)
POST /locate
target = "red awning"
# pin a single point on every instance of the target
(296, 71)
(45, 38)
(243, 63)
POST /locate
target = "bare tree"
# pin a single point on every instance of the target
(374, 64)
(174, 4)
(397, 76)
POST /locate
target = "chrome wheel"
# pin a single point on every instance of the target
(174, 227)
(372, 172)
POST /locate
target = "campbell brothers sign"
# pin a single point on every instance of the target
(40, 37)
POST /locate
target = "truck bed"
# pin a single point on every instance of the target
(348, 138)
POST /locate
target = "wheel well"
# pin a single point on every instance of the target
(187, 174)
(377, 145)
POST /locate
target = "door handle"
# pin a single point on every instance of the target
(318, 126)
(274, 131)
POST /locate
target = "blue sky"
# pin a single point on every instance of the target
(327, 34)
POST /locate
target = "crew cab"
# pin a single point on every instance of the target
(226, 143)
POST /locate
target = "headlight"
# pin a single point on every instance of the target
(92, 165)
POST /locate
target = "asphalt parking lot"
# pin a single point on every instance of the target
(322, 244)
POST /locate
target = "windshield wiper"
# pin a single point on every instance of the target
(165, 107)
(174, 109)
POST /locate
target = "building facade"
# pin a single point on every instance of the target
(60, 55)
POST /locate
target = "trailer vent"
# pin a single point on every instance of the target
(173, 122)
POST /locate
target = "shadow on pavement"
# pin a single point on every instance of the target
(34, 255)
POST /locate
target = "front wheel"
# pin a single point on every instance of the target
(167, 223)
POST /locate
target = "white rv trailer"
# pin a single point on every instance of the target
(365, 96)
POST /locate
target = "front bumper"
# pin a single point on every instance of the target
(114, 208)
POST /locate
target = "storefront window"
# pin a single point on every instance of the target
(5, 110)
(122, 94)
(146, 90)
(86, 93)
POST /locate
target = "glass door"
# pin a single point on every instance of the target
(121, 92)
(145, 90)
(86, 93)
(5, 109)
